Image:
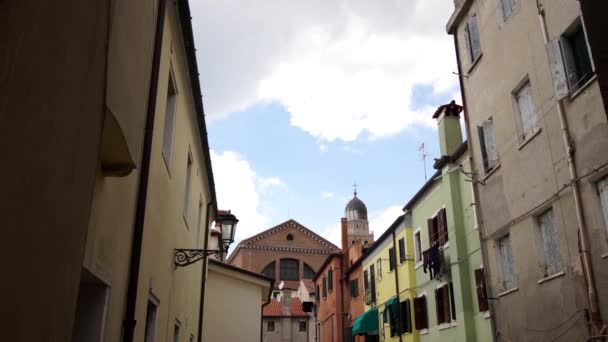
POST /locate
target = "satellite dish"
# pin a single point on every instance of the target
(281, 285)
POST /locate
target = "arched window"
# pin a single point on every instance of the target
(309, 273)
(290, 269)
(269, 270)
(290, 237)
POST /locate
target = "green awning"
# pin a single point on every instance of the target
(366, 323)
(392, 306)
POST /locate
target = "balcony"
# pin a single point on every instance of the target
(369, 297)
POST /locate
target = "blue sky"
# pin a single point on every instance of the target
(301, 102)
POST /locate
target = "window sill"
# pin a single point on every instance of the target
(604, 256)
(167, 165)
(186, 222)
(529, 138)
(445, 246)
(553, 276)
(490, 172)
(419, 264)
(474, 64)
(444, 326)
(582, 88)
(424, 331)
(486, 315)
(504, 293)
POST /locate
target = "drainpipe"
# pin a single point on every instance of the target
(201, 307)
(399, 332)
(478, 214)
(594, 310)
(142, 189)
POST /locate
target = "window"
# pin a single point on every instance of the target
(569, 59)
(549, 243)
(330, 279)
(270, 326)
(176, 331)
(169, 121)
(151, 315)
(602, 189)
(438, 228)
(191, 338)
(418, 247)
(276, 294)
(354, 287)
(444, 304)
(366, 280)
(372, 283)
(290, 269)
(317, 293)
(401, 250)
(302, 326)
(471, 32)
(324, 287)
(289, 237)
(198, 223)
(269, 270)
(506, 262)
(480, 285)
(393, 316)
(506, 8)
(487, 142)
(391, 259)
(188, 185)
(526, 114)
(379, 268)
(406, 321)
(309, 273)
(420, 313)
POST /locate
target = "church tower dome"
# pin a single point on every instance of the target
(356, 221)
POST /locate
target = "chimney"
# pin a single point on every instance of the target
(448, 122)
(286, 303)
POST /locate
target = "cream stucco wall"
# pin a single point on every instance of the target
(233, 305)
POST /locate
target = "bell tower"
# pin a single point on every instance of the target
(356, 221)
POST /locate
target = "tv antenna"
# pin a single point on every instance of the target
(423, 156)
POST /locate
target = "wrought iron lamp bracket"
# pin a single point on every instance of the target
(184, 257)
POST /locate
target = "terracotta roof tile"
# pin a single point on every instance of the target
(296, 308)
(310, 285)
(275, 309)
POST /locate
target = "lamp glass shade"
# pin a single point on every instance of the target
(228, 228)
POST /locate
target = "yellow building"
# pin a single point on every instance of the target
(388, 277)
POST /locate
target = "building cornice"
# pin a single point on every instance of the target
(459, 12)
(287, 249)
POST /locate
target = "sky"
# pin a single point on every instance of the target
(305, 98)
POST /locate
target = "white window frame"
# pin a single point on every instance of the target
(418, 248)
(548, 243)
(602, 190)
(487, 145)
(170, 120)
(379, 269)
(526, 128)
(188, 186)
(199, 222)
(471, 30)
(152, 325)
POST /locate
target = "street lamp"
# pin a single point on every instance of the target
(227, 223)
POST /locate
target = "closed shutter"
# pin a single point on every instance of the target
(602, 187)
(330, 279)
(482, 147)
(439, 306)
(474, 42)
(406, 317)
(452, 301)
(506, 256)
(480, 285)
(420, 314)
(432, 231)
(317, 294)
(324, 287)
(373, 282)
(365, 280)
(489, 139)
(527, 112)
(391, 259)
(553, 260)
(401, 250)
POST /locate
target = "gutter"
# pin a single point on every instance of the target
(142, 188)
(397, 285)
(201, 307)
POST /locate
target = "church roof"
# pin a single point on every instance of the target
(254, 242)
(355, 209)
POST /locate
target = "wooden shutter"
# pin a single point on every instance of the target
(480, 284)
(553, 259)
(439, 306)
(432, 231)
(420, 314)
(442, 225)
(558, 69)
(506, 256)
(324, 287)
(373, 283)
(452, 301)
(330, 279)
(527, 112)
(490, 143)
(365, 280)
(391, 258)
(482, 147)
(474, 37)
(402, 250)
(602, 188)
(406, 317)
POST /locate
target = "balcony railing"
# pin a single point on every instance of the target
(369, 297)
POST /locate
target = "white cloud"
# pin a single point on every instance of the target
(343, 68)
(380, 221)
(241, 190)
(327, 194)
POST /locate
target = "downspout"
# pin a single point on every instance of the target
(400, 314)
(478, 214)
(142, 189)
(201, 307)
(594, 310)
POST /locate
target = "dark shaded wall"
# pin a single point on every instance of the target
(51, 104)
(594, 14)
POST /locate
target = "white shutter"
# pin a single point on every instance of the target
(550, 243)
(474, 37)
(526, 109)
(603, 191)
(558, 69)
(490, 143)
(506, 256)
(572, 73)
